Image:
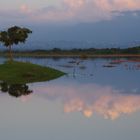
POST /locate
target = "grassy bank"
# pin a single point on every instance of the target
(20, 72)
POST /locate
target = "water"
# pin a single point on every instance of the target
(95, 100)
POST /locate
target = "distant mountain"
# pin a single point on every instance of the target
(121, 31)
(45, 45)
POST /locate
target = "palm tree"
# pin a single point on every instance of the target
(14, 35)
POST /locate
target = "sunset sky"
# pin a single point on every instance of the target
(71, 11)
(76, 15)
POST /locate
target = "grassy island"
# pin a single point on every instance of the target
(14, 72)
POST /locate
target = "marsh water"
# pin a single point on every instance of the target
(98, 99)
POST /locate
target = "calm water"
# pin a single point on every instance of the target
(96, 100)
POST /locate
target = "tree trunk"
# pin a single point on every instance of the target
(10, 53)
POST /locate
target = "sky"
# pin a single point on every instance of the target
(65, 11)
(62, 15)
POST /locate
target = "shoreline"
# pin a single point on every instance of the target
(84, 56)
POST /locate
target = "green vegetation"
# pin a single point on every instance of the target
(14, 35)
(82, 53)
(14, 72)
(91, 51)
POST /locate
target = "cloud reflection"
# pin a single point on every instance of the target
(92, 98)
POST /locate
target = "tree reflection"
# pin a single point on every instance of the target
(15, 90)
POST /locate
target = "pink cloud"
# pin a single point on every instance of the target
(87, 10)
(24, 8)
(79, 10)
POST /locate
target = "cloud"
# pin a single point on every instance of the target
(86, 10)
(75, 11)
(21, 15)
(25, 9)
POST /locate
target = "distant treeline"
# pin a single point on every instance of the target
(77, 51)
(133, 50)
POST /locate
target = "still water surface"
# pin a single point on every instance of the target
(96, 100)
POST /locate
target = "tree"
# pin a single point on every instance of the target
(13, 36)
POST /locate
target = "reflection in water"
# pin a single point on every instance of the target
(89, 98)
(92, 98)
(15, 90)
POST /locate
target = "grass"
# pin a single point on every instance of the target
(20, 73)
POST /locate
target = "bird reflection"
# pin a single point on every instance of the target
(15, 90)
